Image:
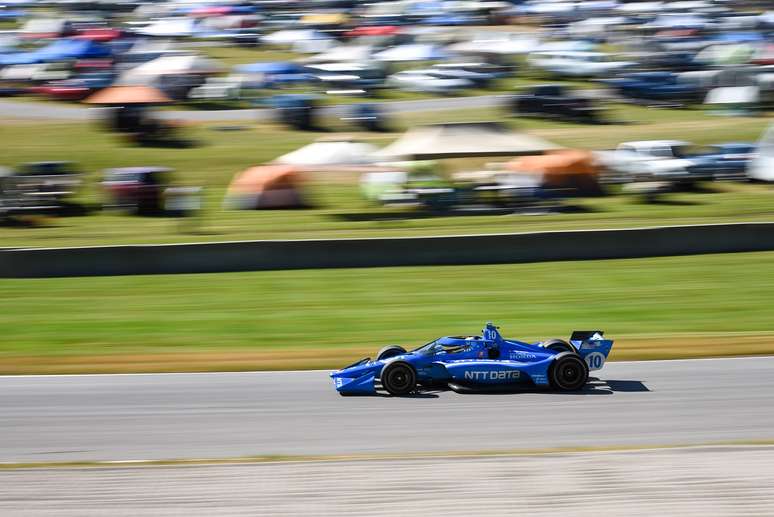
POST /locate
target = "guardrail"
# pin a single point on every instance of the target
(383, 252)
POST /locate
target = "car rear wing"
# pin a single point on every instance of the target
(592, 347)
(586, 335)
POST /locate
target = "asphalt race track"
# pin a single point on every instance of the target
(225, 415)
(693, 482)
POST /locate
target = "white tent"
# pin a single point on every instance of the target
(437, 141)
(291, 36)
(175, 65)
(736, 95)
(313, 46)
(170, 28)
(641, 7)
(148, 45)
(332, 152)
(412, 52)
(44, 26)
(497, 43)
(355, 53)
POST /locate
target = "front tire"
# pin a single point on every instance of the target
(568, 372)
(399, 379)
(390, 351)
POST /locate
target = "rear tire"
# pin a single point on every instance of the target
(399, 379)
(558, 346)
(390, 351)
(569, 372)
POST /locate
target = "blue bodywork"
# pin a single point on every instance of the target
(484, 361)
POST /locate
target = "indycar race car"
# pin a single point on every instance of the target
(477, 363)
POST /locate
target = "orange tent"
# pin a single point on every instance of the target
(566, 169)
(267, 186)
(129, 95)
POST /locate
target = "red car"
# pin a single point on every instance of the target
(76, 88)
(99, 34)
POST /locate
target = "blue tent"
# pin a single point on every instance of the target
(270, 67)
(60, 50)
(72, 49)
(448, 19)
(739, 37)
(10, 14)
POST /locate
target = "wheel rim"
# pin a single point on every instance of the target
(399, 378)
(570, 374)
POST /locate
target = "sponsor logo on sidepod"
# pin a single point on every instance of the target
(493, 375)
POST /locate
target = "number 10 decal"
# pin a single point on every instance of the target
(595, 360)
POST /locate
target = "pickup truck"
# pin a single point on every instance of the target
(556, 101)
(653, 160)
(659, 86)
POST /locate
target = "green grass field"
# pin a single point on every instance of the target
(341, 212)
(708, 305)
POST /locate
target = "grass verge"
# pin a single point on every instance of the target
(670, 307)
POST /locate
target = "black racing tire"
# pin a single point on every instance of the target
(390, 351)
(399, 378)
(558, 345)
(569, 372)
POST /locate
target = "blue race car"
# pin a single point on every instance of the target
(477, 363)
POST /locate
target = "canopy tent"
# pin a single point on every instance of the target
(268, 186)
(572, 169)
(412, 52)
(331, 152)
(120, 95)
(459, 140)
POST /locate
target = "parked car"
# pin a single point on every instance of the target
(661, 86)
(298, 111)
(496, 71)
(727, 161)
(575, 63)
(75, 88)
(653, 160)
(556, 101)
(367, 116)
(137, 189)
(427, 80)
(39, 187)
(348, 76)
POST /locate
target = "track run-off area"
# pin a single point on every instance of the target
(136, 417)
